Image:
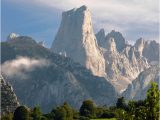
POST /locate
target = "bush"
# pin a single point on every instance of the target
(7, 117)
(88, 109)
(108, 114)
(36, 113)
(64, 112)
(21, 113)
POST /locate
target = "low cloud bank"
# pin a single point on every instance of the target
(21, 65)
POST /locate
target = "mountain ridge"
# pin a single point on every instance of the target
(61, 79)
(115, 60)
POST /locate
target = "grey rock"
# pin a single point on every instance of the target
(9, 101)
(101, 38)
(148, 49)
(119, 39)
(138, 88)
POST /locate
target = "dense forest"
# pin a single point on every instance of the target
(147, 109)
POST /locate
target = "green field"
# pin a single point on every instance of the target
(105, 119)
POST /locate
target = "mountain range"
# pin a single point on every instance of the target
(79, 65)
(40, 77)
(109, 56)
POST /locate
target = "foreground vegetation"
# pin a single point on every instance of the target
(105, 119)
(147, 109)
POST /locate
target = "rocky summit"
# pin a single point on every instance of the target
(106, 56)
(77, 40)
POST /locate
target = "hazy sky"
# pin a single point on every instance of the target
(40, 19)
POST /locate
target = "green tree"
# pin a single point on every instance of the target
(50, 116)
(120, 114)
(132, 110)
(75, 114)
(8, 116)
(64, 112)
(21, 113)
(152, 102)
(60, 113)
(121, 103)
(99, 112)
(36, 113)
(88, 109)
(69, 111)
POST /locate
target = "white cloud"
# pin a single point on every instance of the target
(146, 10)
(143, 10)
(19, 66)
(112, 14)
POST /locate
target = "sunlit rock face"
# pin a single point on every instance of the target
(76, 38)
(138, 88)
(122, 67)
(9, 100)
(109, 55)
(123, 62)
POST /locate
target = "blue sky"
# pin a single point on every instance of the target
(40, 19)
(38, 22)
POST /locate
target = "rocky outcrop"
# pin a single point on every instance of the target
(101, 38)
(41, 43)
(122, 67)
(9, 100)
(148, 49)
(138, 88)
(139, 46)
(76, 38)
(12, 36)
(151, 51)
(119, 39)
(54, 82)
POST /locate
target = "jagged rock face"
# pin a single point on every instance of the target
(123, 62)
(9, 100)
(139, 46)
(51, 84)
(101, 38)
(122, 67)
(148, 49)
(111, 45)
(76, 38)
(151, 51)
(119, 40)
(138, 88)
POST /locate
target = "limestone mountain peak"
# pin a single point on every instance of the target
(76, 38)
